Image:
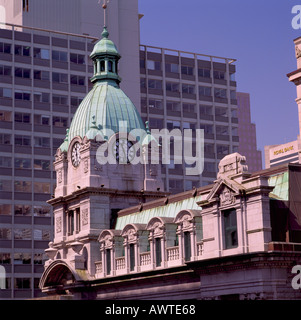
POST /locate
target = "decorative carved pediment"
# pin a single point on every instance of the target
(226, 197)
(298, 53)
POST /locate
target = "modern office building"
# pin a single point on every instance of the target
(279, 154)
(187, 91)
(247, 133)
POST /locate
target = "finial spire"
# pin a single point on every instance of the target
(104, 6)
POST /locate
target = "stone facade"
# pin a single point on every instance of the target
(220, 246)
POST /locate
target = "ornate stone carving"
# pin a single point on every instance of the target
(85, 216)
(86, 165)
(298, 53)
(131, 234)
(59, 176)
(226, 197)
(108, 241)
(58, 224)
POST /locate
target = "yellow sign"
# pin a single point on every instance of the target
(283, 150)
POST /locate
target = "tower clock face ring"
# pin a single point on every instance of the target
(75, 154)
(123, 151)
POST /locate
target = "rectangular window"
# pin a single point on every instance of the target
(172, 86)
(22, 209)
(172, 67)
(77, 80)
(208, 128)
(132, 257)
(22, 73)
(41, 187)
(155, 84)
(205, 91)
(219, 75)
(41, 96)
(41, 75)
(220, 111)
(76, 101)
(5, 47)
(39, 258)
(204, 73)
(220, 93)
(22, 163)
(187, 70)
(22, 117)
(59, 77)
(158, 252)
(153, 103)
(41, 234)
(5, 92)
(70, 219)
(23, 186)
(22, 283)
(5, 162)
(187, 246)
(22, 234)
(153, 65)
(59, 56)
(188, 88)
(230, 229)
(173, 106)
(42, 142)
(59, 99)
(41, 164)
(22, 95)
(222, 130)
(5, 233)
(142, 83)
(222, 149)
(22, 50)
(77, 58)
(22, 258)
(59, 121)
(207, 110)
(155, 123)
(189, 108)
(43, 211)
(108, 261)
(41, 53)
(78, 220)
(5, 185)
(5, 258)
(21, 140)
(5, 138)
(5, 70)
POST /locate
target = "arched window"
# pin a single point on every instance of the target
(102, 66)
(85, 256)
(110, 66)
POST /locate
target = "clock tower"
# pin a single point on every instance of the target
(101, 168)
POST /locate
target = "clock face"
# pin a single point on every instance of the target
(75, 155)
(123, 151)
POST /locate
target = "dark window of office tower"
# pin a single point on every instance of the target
(155, 84)
(5, 70)
(59, 56)
(205, 91)
(187, 70)
(40, 53)
(41, 75)
(78, 80)
(22, 117)
(153, 65)
(219, 75)
(5, 47)
(5, 92)
(59, 121)
(59, 77)
(22, 95)
(59, 99)
(77, 58)
(22, 73)
(23, 210)
(22, 50)
(204, 73)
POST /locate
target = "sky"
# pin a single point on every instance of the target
(258, 33)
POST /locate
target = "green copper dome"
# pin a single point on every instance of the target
(106, 105)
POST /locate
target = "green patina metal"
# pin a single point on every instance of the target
(169, 211)
(280, 182)
(106, 105)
